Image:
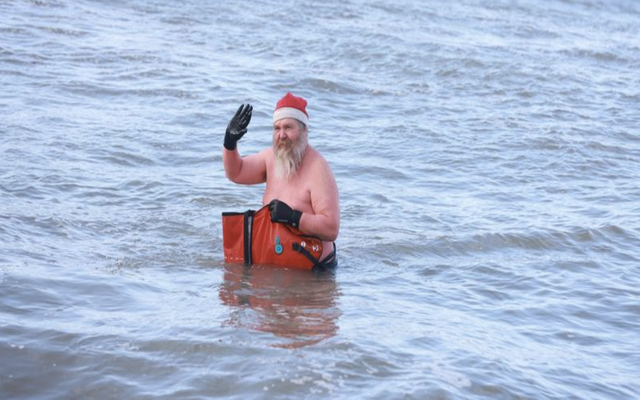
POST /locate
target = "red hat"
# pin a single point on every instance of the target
(291, 106)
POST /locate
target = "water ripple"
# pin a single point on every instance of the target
(485, 155)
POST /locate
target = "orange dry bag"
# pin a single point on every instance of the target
(252, 238)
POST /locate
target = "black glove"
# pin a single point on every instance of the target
(281, 212)
(237, 126)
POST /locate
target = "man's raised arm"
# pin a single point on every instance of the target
(248, 170)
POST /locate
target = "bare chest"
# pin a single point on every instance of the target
(296, 192)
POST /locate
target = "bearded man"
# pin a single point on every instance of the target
(301, 190)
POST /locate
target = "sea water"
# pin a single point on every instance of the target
(487, 155)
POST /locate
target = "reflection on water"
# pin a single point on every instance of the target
(297, 305)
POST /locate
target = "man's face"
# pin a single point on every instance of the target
(289, 145)
(286, 133)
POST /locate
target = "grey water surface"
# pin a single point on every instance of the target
(487, 155)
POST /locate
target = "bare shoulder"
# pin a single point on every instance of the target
(319, 170)
(265, 156)
(266, 153)
(317, 161)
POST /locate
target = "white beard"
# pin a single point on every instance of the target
(288, 158)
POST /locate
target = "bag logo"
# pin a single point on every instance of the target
(279, 248)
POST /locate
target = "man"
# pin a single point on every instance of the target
(301, 189)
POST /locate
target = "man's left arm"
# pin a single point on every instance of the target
(325, 220)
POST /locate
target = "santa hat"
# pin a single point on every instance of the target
(291, 106)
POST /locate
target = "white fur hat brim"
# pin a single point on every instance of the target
(290, 112)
